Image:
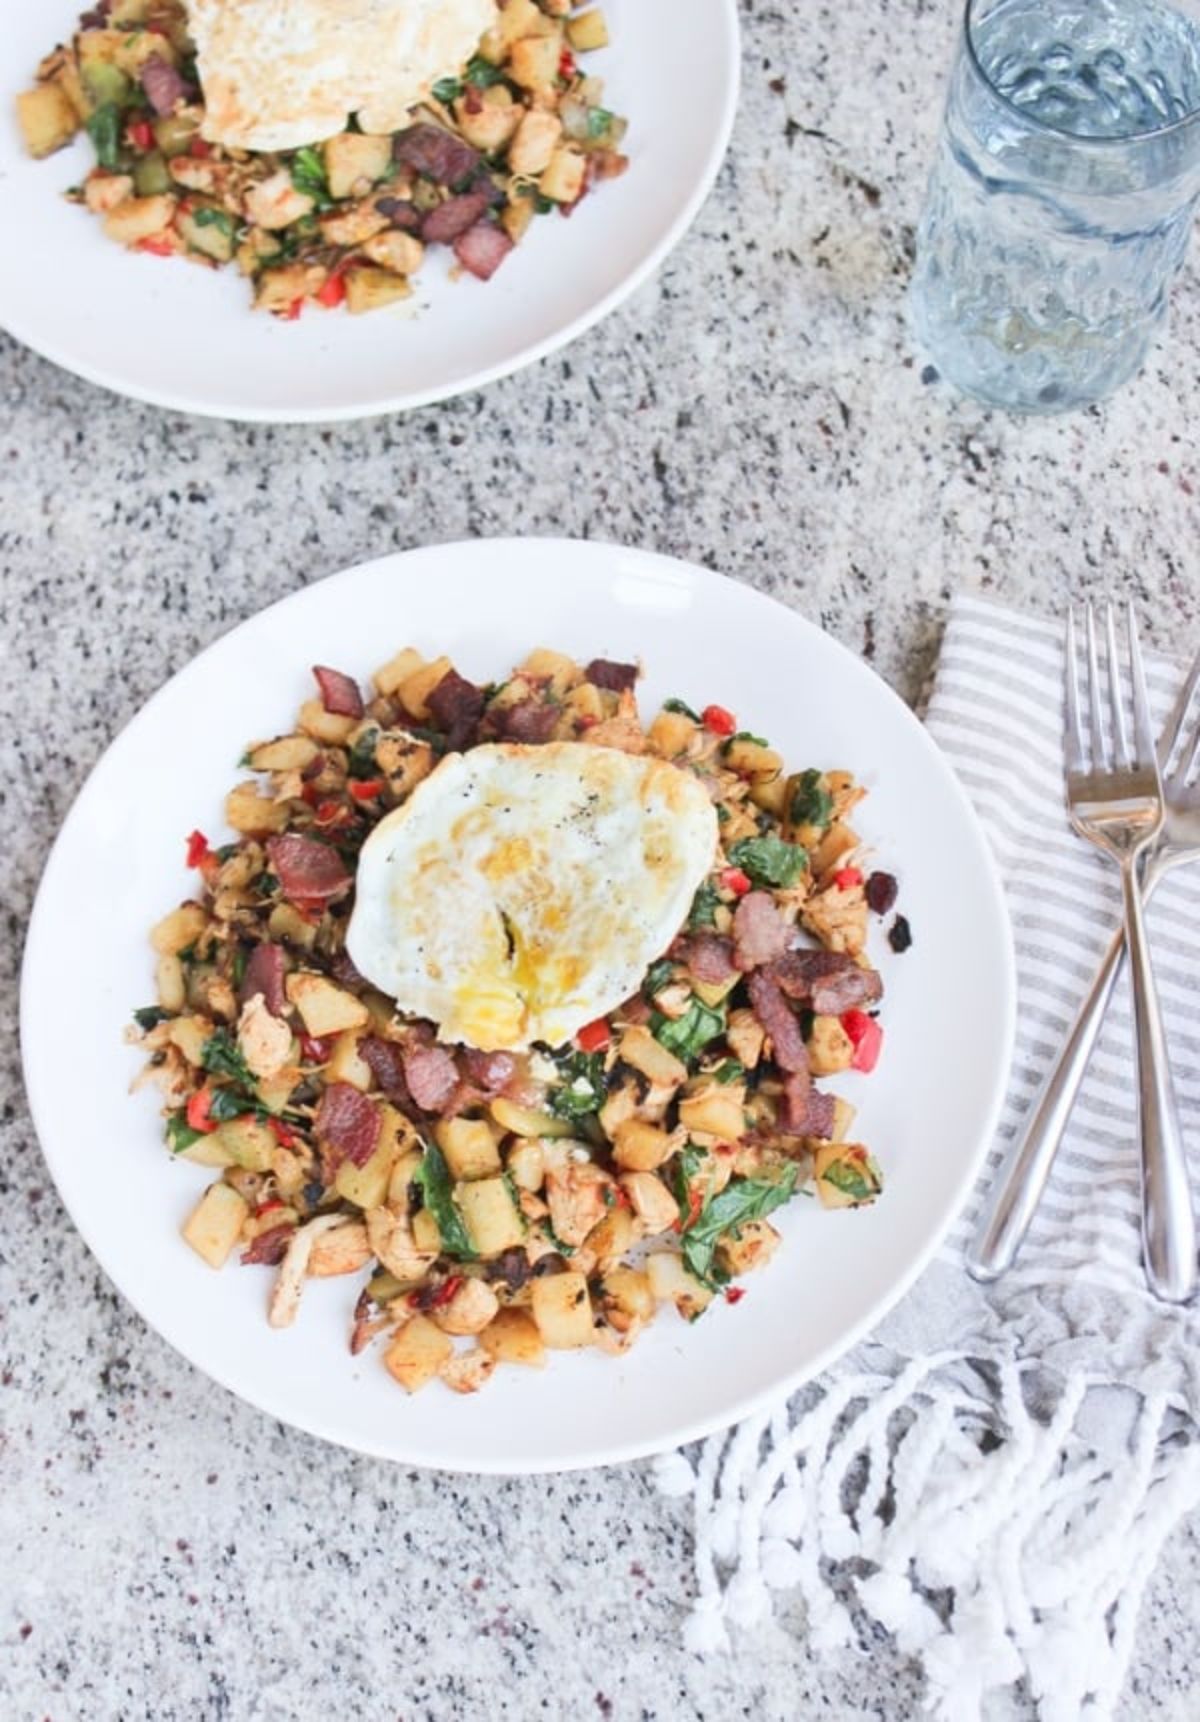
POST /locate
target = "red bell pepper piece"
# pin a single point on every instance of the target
(733, 879)
(718, 721)
(846, 878)
(866, 1037)
(198, 1108)
(293, 310)
(141, 135)
(333, 292)
(281, 1133)
(735, 1294)
(156, 247)
(366, 788)
(594, 1035)
(200, 148)
(197, 849)
(566, 64)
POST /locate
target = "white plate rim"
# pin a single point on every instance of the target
(611, 1452)
(402, 401)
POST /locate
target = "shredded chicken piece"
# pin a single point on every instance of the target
(265, 1040)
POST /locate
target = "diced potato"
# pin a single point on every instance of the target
(346, 1063)
(524, 1121)
(215, 1224)
(138, 46)
(139, 218)
(537, 137)
(371, 289)
(562, 1310)
(104, 191)
(344, 1250)
(492, 126)
(846, 1175)
(388, 677)
(370, 1185)
(353, 162)
(671, 1282)
(207, 1151)
(402, 1175)
(671, 732)
(752, 1246)
(491, 1218)
(288, 924)
(470, 1310)
(745, 1035)
(585, 701)
(628, 1289)
(469, 1145)
(563, 672)
(249, 1144)
(414, 691)
(770, 793)
(285, 753)
(47, 119)
(328, 727)
(512, 1337)
(181, 928)
(830, 1048)
(467, 1371)
(352, 225)
(533, 61)
(588, 30)
(526, 1164)
(251, 813)
(274, 203)
(612, 1236)
(207, 229)
(640, 1049)
(516, 219)
(169, 983)
(563, 178)
(191, 1034)
(717, 1109)
(393, 250)
(751, 758)
(324, 1007)
(275, 1091)
(643, 1147)
(425, 1231)
(712, 993)
(519, 18)
(417, 1353)
(840, 840)
(653, 1203)
(404, 761)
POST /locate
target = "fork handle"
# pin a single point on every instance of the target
(1168, 1227)
(1017, 1187)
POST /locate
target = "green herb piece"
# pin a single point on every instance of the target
(222, 1055)
(447, 90)
(811, 802)
(599, 121)
(308, 174)
(706, 902)
(739, 1202)
(239, 966)
(226, 852)
(227, 1104)
(149, 1017)
(744, 735)
(180, 1134)
(266, 885)
(860, 1180)
(658, 976)
(433, 1176)
(218, 218)
(510, 1184)
(689, 1162)
(583, 1090)
(104, 129)
(361, 762)
(682, 707)
(769, 860)
(687, 1036)
(545, 204)
(482, 73)
(562, 1248)
(730, 1071)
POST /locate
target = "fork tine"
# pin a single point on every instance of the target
(1074, 736)
(1173, 730)
(1100, 756)
(1143, 731)
(1116, 691)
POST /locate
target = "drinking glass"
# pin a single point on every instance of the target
(1061, 198)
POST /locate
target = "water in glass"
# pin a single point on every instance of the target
(1061, 198)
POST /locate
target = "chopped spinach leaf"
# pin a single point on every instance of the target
(222, 1055)
(583, 1089)
(180, 1134)
(742, 1200)
(361, 761)
(730, 1071)
(598, 122)
(744, 735)
(769, 860)
(658, 976)
(705, 903)
(433, 1176)
(104, 129)
(811, 802)
(687, 1036)
(266, 885)
(482, 73)
(682, 707)
(308, 174)
(226, 852)
(860, 1180)
(448, 90)
(227, 1103)
(149, 1017)
(218, 218)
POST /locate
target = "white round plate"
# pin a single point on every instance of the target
(186, 338)
(928, 1111)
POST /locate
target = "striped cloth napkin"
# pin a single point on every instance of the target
(1025, 1449)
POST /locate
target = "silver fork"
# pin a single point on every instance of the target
(1168, 1228)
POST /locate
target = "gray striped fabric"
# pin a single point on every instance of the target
(995, 710)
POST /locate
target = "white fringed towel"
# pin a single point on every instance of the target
(992, 1475)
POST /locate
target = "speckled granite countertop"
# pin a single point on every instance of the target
(169, 1554)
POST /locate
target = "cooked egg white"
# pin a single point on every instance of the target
(521, 892)
(277, 74)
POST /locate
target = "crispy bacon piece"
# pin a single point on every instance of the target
(604, 673)
(162, 83)
(803, 1109)
(482, 249)
(311, 874)
(527, 720)
(829, 981)
(431, 1075)
(385, 1060)
(709, 957)
(489, 1071)
(775, 1014)
(339, 693)
(269, 1247)
(438, 154)
(760, 933)
(265, 974)
(400, 212)
(445, 221)
(457, 706)
(347, 1124)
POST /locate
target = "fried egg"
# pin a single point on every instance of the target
(277, 74)
(521, 892)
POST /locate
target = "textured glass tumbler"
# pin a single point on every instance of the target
(1061, 199)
